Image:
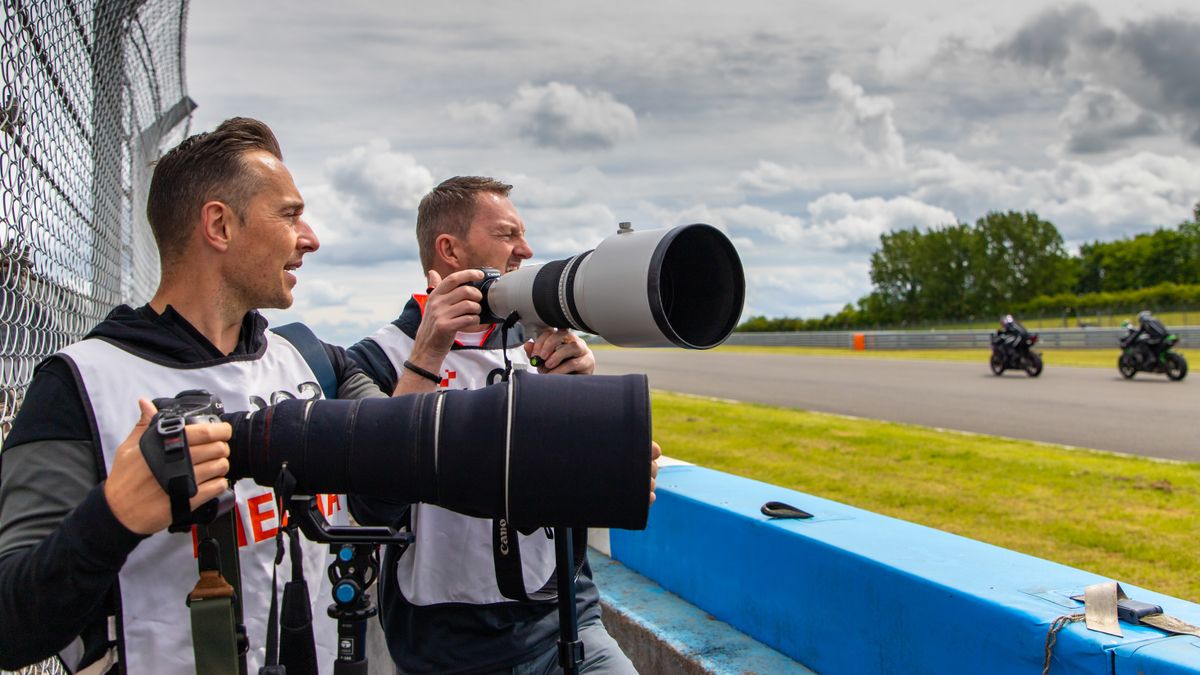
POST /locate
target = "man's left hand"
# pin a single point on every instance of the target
(561, 353)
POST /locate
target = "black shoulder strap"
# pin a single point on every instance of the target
(310, 347)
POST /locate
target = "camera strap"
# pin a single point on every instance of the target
(291, 647)
(219, 641)
(506, 554)
(506, 540)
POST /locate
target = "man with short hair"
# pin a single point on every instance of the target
(448, 598)
(86, 569)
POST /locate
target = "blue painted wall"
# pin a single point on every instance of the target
(851, 591)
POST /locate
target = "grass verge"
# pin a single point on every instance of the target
(1127, 518)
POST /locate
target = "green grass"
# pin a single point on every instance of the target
(1084, 358)
(1127, 518)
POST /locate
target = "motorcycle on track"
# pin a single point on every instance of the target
(1015, 351)
(1139, 357)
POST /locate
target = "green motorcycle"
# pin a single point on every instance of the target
(1135, 359)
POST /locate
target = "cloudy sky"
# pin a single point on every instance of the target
(803, 129)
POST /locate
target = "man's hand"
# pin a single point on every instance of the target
(561, 353)
(452, 306)
(655, 453)
(133, 494)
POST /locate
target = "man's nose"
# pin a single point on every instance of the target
(522, 250)
(307, 240)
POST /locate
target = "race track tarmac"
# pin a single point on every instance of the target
(1085, 407)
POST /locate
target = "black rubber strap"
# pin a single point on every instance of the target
(181, 509)
(412, 367)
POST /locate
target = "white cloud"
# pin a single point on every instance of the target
(770, 178)
(837, 223)
(560, 231)
(790, 290)
(1085, 200)
(380, 184)
(869, 120)
(983, 136)
(557, 115)
(848, 223)
(347, 237)
(366, 212)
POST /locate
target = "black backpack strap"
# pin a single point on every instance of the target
(313, 351)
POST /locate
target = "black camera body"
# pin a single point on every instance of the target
(196, 406)
(165, 448)
(490, 275)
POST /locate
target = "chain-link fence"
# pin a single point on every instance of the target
(93, 90)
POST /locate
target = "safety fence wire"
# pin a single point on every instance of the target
(93, 91)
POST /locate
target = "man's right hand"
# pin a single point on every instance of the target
(134, 495)
(452, 306)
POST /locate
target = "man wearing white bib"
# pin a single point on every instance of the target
(87, 570)
(447, 599)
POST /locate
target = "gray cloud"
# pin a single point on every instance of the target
(1151, 62)
(1099, 119)
(1168, 51)
(1047, 40)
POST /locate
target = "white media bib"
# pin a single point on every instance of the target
(162, 569)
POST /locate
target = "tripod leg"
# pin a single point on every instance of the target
(352, 638)
(570, 648)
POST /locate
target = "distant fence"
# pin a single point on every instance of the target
(1065, 338)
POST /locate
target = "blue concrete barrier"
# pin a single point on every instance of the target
(850, 591)
(663, 634)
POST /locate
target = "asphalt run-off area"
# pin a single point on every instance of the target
(1084, 407)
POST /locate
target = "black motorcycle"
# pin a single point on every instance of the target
(1015, 351)
(1138, 357)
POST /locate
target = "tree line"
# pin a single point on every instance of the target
(1013, 262)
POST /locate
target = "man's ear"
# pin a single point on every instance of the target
(448, 250)
(217, 225)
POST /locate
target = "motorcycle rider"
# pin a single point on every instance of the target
(1012, 332)
(1148, 339)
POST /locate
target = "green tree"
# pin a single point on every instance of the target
(943, 263)
(896, 273)
(1016, 257)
